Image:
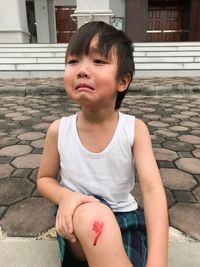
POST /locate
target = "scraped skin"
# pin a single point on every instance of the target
(97, 228)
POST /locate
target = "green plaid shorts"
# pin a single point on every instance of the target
(133, 229)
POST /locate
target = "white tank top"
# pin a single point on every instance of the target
(109, 174)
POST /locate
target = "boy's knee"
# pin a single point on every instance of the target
(88, 212)
(90, 220)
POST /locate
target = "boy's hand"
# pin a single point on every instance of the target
(66, 209)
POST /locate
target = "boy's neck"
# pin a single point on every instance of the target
(98, 116)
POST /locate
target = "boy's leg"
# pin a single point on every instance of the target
(99, 235)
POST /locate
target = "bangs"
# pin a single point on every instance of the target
(81, 40)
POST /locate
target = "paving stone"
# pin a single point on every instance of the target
(196, 192)
(184, 196)
(195, 119)
(31, 136)
(179, 116)
(170, 120)
(185, 217)
(189, 124)
(152, 116)
(197, 177)
(165, 154)
(2, 212)
(37, 150)
(166, 133)
(178, 128)
(181, 107)
(3, 133)
(21, 173)
(177, 180)
(16, 150)
(36, 193)
(178, 146)
(5, 171)
(14, 114)
(191, 165)
(21, 118)
(8, 141)
(158, 124)
(5, 160)
(191, 139)
(16, 132)
(50, 118)
(33, 176)
(29, 123)
(29, 218)
(27, 161)
(13, 190)
(185, 154)
(196, 153)
(166, 164)
(33, 112)
(38, 143)
(170, 198)
(189, 113)
(41, 126)
(157, 139)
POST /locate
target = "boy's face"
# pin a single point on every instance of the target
(92, 79)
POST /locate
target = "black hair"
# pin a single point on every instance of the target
(109, 37)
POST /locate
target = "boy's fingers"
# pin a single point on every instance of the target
(90, 199)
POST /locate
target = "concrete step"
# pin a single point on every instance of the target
(16, 252)
(151, 60)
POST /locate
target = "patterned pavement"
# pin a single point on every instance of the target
(27, 107)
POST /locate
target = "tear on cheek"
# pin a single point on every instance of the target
(97, 228)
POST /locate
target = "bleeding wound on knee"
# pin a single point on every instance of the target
(97, 228)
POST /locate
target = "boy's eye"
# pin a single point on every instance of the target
(72, 61)
(99, 61)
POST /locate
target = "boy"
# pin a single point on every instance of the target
(98, 220)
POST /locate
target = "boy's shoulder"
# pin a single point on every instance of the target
(141, 128)
(54, 127)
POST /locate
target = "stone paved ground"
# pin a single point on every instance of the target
(174, 124)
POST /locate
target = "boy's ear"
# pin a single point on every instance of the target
(124, 82)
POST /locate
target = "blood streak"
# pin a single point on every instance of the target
(97, 228)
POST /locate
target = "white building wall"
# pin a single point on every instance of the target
(65, 2)
(13, 22)
(119, 9)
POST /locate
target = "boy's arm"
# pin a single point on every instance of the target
(155, 204)
(47, 183)
(50, 188)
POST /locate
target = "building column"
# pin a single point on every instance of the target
(42, 21)
(90, 10)
(13, 22)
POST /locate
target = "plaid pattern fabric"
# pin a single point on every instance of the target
(133, 229)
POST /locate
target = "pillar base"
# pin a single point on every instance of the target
(14, 36)
(84, 16)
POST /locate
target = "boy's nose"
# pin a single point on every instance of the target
(83, 70)
(82, 74)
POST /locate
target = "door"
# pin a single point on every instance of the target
(165, 24)
(65, 25)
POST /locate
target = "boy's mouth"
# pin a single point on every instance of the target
(83, 85)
